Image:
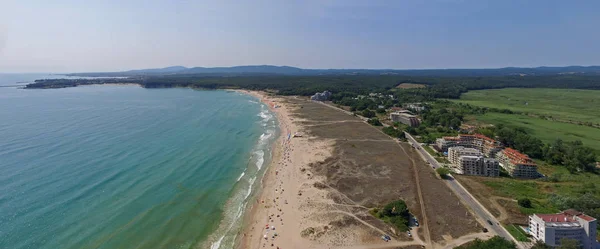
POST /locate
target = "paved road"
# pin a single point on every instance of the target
(483, 214)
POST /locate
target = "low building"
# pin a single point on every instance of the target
(569, 224)
(417, 107)
(405, 118)
(470, 161)
(517, 164)
(321, 96)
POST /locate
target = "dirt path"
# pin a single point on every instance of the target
(425, 224)
(503, 214)
(464, 239)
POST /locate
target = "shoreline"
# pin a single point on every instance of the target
(251, 211)
(246, 189)
(284, 203)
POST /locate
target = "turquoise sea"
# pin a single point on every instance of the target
(127, 167)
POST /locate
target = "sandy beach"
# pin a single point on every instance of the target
(320, 186)
(277, 218)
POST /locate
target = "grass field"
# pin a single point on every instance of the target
(410, 85)
(546, 130)
(517, 233)
(562, 104)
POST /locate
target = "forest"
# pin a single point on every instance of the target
(341, 85)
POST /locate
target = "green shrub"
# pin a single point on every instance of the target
(395, 213)
(368, 113)
(524, 202)
(443, 172)
(374, 122)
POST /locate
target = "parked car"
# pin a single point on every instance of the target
(489, 222)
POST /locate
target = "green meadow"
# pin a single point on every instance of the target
(562, 104)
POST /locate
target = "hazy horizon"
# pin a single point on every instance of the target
(70, 36)
(408, 69)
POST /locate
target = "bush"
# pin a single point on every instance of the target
(496, 242)
(368, 113)
(390, 131)
(374, 122)
(540, 245)
(399, 222)
(524, 202)
(443, 172)
(395, 213)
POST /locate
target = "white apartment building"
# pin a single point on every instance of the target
(571, 224)
(454, 153)
(470, 161)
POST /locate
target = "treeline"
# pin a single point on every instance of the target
(393, 132)
(452, 88)
(344, 85)
(573, 155)
(587, 203)
(63, 83)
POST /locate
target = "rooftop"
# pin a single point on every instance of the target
(517, 157)
(451, 138)
(480, 136)
(408, 115)
(561, 217)
(567, 216)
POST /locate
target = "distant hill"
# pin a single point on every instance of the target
(173, 69)
(285, 70)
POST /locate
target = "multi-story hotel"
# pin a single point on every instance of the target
(515, 163)
(489, 147)
(569, 224)
(470, 161)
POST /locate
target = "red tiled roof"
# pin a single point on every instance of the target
(587, 218)
(484, 137)
(480, 136)
(566, 216)
(556, 217)
(517, 157)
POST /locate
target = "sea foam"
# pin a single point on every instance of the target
(260, 159)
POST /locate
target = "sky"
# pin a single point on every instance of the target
(116, 35)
